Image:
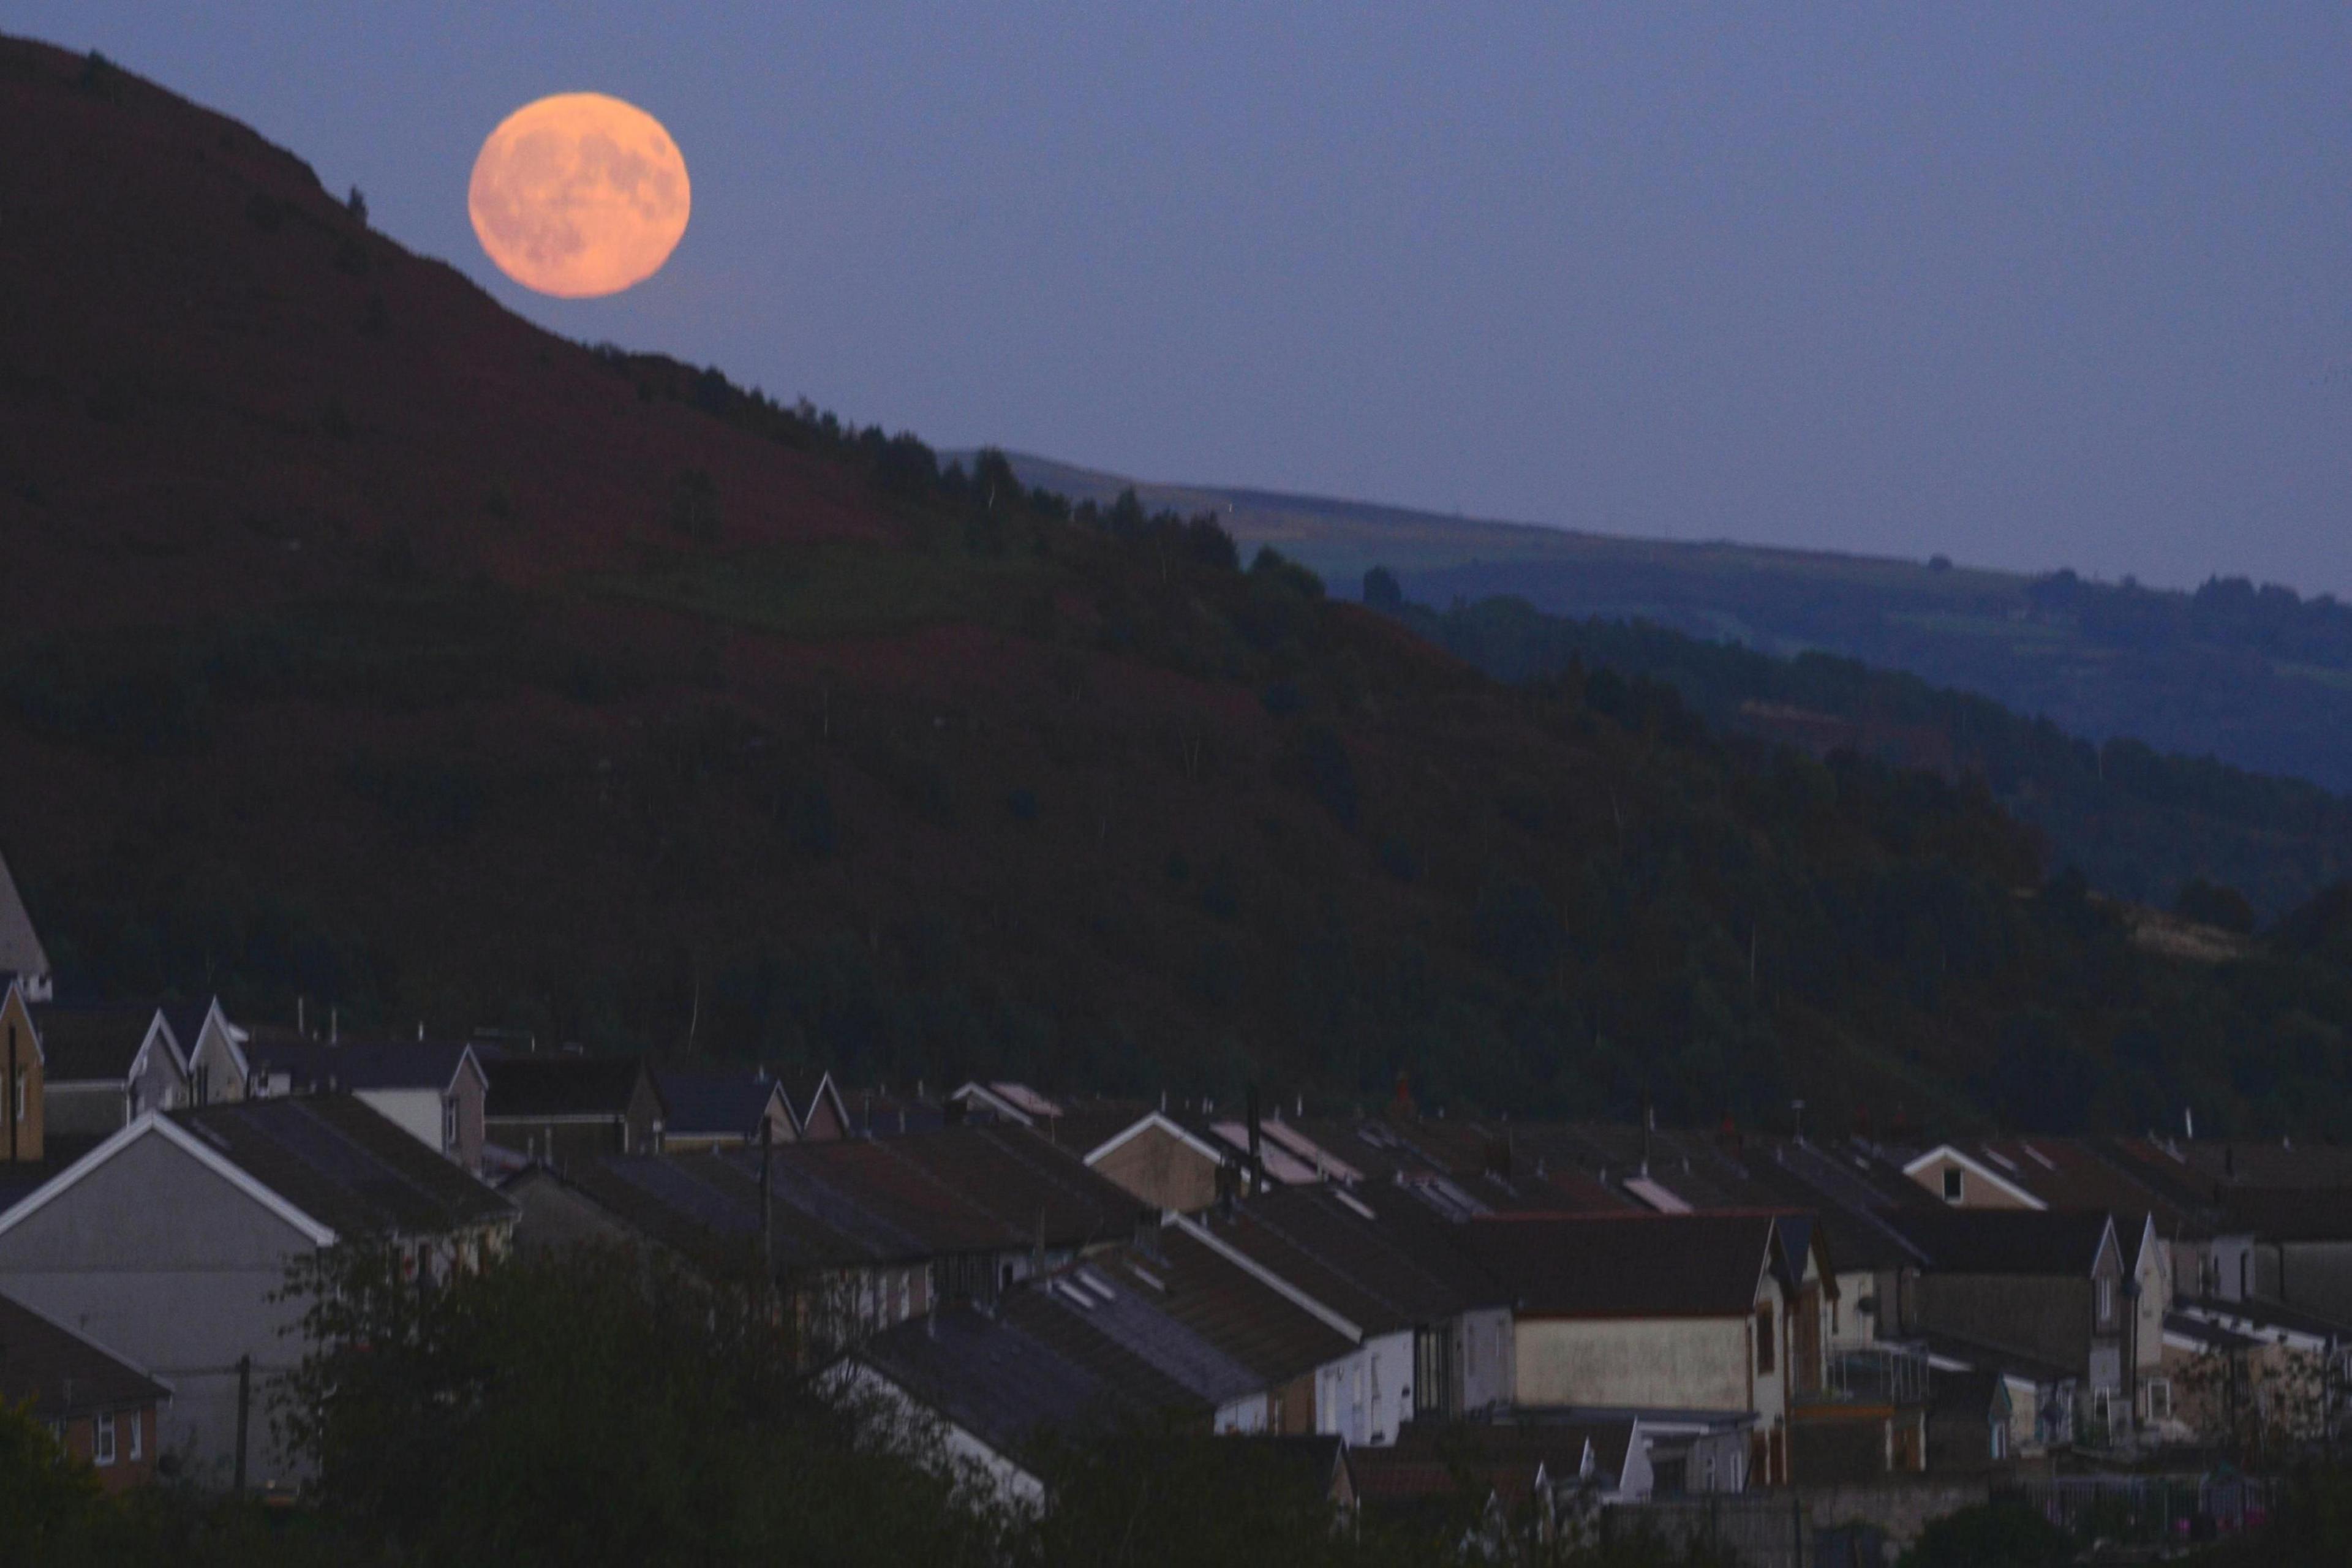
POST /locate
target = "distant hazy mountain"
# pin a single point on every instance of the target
(2259, 678)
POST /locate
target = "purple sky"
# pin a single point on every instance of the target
(2031, 285)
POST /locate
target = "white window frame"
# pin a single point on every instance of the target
(448, 1124)
(138, 1434)
(102, 1438)
(2104, 1291)
(1955, 1185)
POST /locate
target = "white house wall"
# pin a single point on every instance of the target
(157, 1256)
(1365, 1398)
(1486, 1350)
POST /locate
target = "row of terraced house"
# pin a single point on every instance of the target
(1576, 1317)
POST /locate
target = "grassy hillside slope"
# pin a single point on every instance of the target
(361, 642)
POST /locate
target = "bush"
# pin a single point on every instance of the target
(1997, 1535)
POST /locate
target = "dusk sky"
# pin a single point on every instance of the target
(2030, 285)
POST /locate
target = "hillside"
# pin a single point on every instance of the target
(362, 643)
(2256, 678)
(2139, 824)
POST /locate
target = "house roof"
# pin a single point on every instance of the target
(91, 1045)
(2008, 1241)
(355, 1064)
(1089, 1302)
(1331, 1245)
(2270, 1164)
(2289, 1214)
(1558, 1446)
(866, 1201)
(1086, 1125)
(524, 1089)
(711, 1103)
(1228, 1306)
(20, 945)
(1978, 1356)
(336, 1160)
(804, 1088)
(1012, 1377)
(63, 1375)
(1628, 1266)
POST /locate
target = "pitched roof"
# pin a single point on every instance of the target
(347, 1167)
(1086, 1303)
(1629, 1266)
(2006, 1241)
(525, 1088)
(866, 1201)
(1559, 1446)
(63, 1375)
(1328, 1245)
(709, 1104)
(20, 945)
(1010, 1377)
(1228, 1306)
(356, 1065)
(2289, 1214)
(91, 1045)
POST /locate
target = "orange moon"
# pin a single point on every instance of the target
(579, 195)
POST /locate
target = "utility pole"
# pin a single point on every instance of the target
(244, 1409)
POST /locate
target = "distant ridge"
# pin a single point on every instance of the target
(2258, 678)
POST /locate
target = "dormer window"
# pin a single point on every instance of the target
(1764, 1359)
(1955, 1184)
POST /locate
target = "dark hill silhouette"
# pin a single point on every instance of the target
(361, 642)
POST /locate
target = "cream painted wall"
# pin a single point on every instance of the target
(1695, 1364)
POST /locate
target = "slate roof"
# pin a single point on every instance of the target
(1982, 1357)
(1009, 1378)
(709, 1104)
(866, 1202)
(1854, 1218)
(2289, 1214)
(523, 1089)
(63, 1375)
(1630, 1265)
(1086, 1125)
(1559, 1446)
(90, 1045)
(1082, 1305)
(1228, 1306)
(346, 1166)
(20, 945)
(2006, 1241)
(1367, 1273)
(2270, 1164)
(353, 1065)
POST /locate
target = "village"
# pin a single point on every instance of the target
(1758, 1337)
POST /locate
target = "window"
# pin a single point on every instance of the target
(2105, 1289)
(2160, 1399)
(101, 1443)
(1763, 1337)
(448, 1124)
(1955, 1184)
(2000, 1439)
(138, 1434)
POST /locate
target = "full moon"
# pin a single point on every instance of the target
(579, 195)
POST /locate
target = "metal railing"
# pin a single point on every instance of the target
(2147, 1510)
(1876, 1374)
